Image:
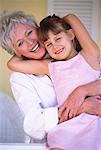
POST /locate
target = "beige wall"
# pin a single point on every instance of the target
(100, 24)
(35, 7)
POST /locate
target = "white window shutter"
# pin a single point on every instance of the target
(86, 10)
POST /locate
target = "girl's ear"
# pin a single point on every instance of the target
(71, 34)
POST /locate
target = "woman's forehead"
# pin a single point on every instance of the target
(19, 31)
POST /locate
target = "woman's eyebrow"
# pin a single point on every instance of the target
(19, 40)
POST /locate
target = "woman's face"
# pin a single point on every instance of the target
(25, 42)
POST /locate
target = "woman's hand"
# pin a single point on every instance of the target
(91, 105)
(70, 107)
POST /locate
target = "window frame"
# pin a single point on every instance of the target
(95, 16)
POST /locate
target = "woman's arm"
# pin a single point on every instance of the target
(91, 105)
(91, 89)
(89, 48)
(32, 93)
(18, 64)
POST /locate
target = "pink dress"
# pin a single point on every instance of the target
(84, 131)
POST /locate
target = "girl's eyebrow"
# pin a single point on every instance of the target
(55, 36)
(47, 41)
(59, 33)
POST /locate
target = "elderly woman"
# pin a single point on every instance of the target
(35, 95)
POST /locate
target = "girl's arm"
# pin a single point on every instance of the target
(90, 50)
(18, 64)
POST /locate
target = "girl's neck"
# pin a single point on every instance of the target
(72, 54)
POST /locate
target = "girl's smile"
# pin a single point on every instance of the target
(59, 46)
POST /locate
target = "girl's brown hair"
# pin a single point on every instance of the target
(53, 23)
(56, 25)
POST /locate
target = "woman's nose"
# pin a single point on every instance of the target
(29, 41)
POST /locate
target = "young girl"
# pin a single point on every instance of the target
(71, 69)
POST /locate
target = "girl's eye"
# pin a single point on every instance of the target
(48, 45)
(58, 38)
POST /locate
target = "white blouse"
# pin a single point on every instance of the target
(37, 101)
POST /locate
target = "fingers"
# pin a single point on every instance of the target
(61, 110)
(64, 116)
(67, 111)
(71, 114)
(82, 108)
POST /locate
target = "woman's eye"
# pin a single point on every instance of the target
(30, 32)
(20, 43)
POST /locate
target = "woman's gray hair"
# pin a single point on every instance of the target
(8, 22)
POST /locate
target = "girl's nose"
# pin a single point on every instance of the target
(55, 46)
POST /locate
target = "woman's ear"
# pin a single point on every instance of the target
(17, 53)
(71, 34)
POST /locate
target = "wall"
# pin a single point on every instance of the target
(35, 7)
(39, 9)
(100, 24)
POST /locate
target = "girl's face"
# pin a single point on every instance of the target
(25, 42)
(59, 46)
